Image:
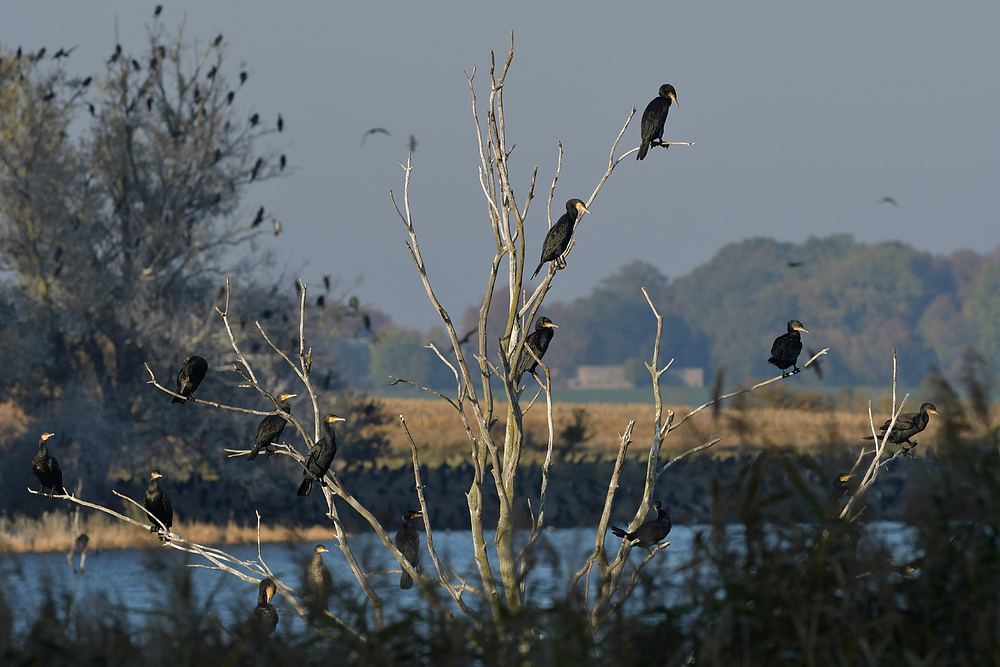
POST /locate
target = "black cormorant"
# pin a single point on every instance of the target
(649, 533)
(270, 428)
(158, 505)
(408, 543)
(264, 618)
(320, 456)
(46, 468)
(319, 583)
(558, 237)
(538, 340)
(190, 375)
(786, 348)
(654, 117)
(907, 425)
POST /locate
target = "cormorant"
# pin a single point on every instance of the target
(264, 618)
(281, 123)
(319, 583)
(557, 239)
(254, 119)
(259, 218)
(190, 375)
(270, 427)
(408, 543)
(907, 426)
(786, 348)
(282, 162)
(320, 456)
(158, 505)
(46, 468)
(649, 533)
(654, 117)
(538, 340)
(375, 130)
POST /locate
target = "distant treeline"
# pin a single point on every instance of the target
(859, 300)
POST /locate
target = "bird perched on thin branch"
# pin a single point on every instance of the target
(786, 348)
(281, 123)
(319, 583)
(264, 618)
(654, 117)
(158, 506)
(46, 469)
(320, 457)
(907, 425)
(408, 543)
(259, 218)
(558, 237)
(190, 375)
(270, 427)
(538, 340)
(650, 533)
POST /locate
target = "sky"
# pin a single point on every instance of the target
(804, 116)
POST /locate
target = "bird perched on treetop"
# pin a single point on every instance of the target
(46, 468)
(320, 456)
(786, 348)
(650, 533)
(907, 425)
(190, 375)
(158, 506)
(408, 543)
(653, 119)
(270, 428)
(538, 340)
(558, 237)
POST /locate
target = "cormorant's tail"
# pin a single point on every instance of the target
(642, 151)
(178, 399)
(305, 488)
(405, 581)
(868, 437)
(253, 453)
(619, 532)
(540, 265)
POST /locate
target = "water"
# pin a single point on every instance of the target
(136, 581)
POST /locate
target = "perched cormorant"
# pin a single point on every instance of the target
(557, 239)
(786, 348)
(408, 543)
(270, 427)
(649, 533)
(320, 456)
(158, 505)
(907, 426)
(46, 468)
(264, 618)
(319, 583)
(538, 340)
(654, 117)
(190, 375)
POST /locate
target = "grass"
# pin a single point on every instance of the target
(53, 533)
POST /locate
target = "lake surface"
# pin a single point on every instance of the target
(137, 582)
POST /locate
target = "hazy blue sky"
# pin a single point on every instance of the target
(805, 115)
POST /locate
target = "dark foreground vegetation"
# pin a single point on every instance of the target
(758, 589)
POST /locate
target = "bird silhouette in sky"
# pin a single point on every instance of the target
(888, 200)
(795, 264)
(375, 130)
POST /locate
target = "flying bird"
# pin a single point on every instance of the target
(795, 265)
(888, 200)
(654, 117)
(375, 130)
(558, 237)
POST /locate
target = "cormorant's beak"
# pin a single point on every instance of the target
(802, 329)
(323, 550)
(673, 96)
(553, 326)
(155, 475)
(933, 411)
(46, 436)
(583, 208)
(270, 594)
(337, 419)
(417, 515)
